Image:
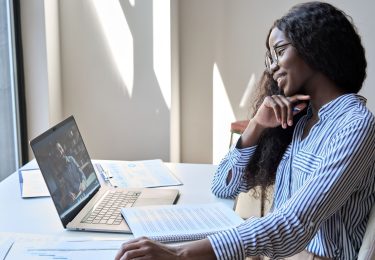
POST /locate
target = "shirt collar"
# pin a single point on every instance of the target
(335, 107)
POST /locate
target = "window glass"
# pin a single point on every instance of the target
(8, 102)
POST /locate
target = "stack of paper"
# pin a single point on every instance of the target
(174, 223)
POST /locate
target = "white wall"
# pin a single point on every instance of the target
(121, 103)
(51, 10)
(122, 111)
(41, 52)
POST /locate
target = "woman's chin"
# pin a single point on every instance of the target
(286, 92)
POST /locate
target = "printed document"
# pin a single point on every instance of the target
(173, 223)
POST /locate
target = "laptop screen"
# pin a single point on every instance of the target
(66, 166)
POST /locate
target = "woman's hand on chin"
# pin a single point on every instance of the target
(279, 110)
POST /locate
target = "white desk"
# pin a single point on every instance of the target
(39, 216)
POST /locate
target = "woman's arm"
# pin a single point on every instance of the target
(288, 229)
(251, 135)
(230, 178)
(271, 114)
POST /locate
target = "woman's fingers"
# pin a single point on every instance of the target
(286, 110)
(299, 102)
(271, 103)
(279, 110)
(144, 248)
(133, 254)
(127, 247)
(297, 98)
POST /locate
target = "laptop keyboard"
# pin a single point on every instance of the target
(108, 211)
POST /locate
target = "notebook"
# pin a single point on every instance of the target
(81, 201)
(178, 223)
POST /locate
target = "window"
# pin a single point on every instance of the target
(10, 109)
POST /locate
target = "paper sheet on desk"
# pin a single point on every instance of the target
(32, 184)
(50, 247)
(5, 246)
(139, 174)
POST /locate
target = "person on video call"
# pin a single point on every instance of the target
(73, 176)
(311, 136)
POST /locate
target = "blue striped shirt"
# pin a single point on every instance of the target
(324, 189)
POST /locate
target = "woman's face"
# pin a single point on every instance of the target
(291, 73)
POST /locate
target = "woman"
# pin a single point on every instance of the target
(312, 136)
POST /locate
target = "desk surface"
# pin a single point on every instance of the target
(39, 216)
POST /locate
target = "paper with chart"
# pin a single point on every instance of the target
(33, 246)
(172, 223)
(138, 174)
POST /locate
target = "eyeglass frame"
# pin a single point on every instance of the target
(271, 59)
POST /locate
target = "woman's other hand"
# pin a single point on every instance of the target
(144, 248)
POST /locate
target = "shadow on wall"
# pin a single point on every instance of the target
(110, 83)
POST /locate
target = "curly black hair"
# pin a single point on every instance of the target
(326, 39)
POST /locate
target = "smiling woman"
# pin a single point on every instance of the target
(312, 136)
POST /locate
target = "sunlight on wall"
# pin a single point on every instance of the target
(162, 47)
(246, 95)
(119, 39)
(223, 115)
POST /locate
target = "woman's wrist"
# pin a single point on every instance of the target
(251, 135)
(197, 250)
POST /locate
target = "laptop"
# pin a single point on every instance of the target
(82, 200)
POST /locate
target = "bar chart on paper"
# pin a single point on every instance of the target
(17, 246)
(138, 174)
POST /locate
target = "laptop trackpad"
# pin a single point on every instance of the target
(157, 197)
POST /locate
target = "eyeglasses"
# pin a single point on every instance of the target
(273, 57)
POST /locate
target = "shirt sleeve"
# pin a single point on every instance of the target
(235, 161)
(288, 229)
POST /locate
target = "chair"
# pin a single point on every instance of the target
(246, 205)
(237, 127)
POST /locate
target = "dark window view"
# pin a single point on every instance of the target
(9, 138)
